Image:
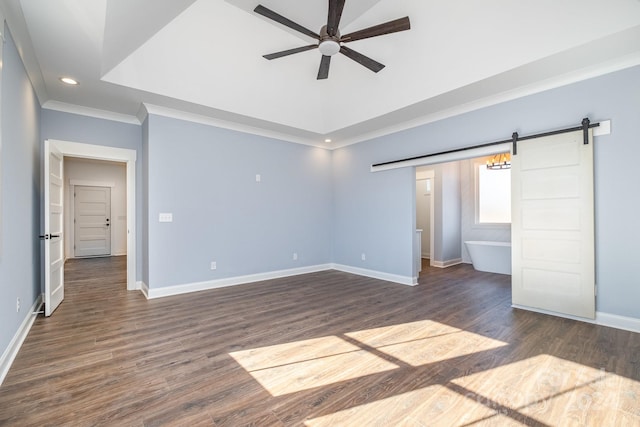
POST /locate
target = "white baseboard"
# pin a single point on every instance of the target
(403, 280)
(143, 287)
(619, 322)
(553, 313)
(445, 264)
(151, 293)
(602, 319)
(11, 352)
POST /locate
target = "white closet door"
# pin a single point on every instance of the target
(553, 225)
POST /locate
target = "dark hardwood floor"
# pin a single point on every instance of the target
(327, 348)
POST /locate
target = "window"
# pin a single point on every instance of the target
(493, 195)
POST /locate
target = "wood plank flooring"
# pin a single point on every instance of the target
(320, 349)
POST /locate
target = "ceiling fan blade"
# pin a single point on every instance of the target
(323, 72)
(290, 51)
(401, 24)
(361, 59)
(260, 9)
(335, 13)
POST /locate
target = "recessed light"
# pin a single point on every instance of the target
(328, 140)
(69, 81)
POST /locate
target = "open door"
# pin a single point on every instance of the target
(53, 229)
(553, 250)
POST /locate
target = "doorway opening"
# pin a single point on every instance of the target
(425, 213)
(72, 151)
(448, 202)
(95, 208)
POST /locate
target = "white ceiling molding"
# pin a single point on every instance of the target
(210, 121)
(90, 112)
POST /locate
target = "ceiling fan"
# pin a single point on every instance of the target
(329, 39)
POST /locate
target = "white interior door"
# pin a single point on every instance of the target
(553, 225)
(92, 221)
(53, 229)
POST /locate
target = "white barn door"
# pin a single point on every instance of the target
(553, 225)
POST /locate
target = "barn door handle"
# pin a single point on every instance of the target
(54, 235)
(44, 237)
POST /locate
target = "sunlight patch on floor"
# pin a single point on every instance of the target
(423, 342)
(288, 368)
(301, 365)
(548, 389)
(435, 405)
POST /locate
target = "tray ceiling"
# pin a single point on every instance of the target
(204, 58)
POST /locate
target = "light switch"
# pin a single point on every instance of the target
(258, 178)
(166, 217)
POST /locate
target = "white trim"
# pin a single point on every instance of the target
(619, 322)
(617, 64)
(102, 152)
(157, 110)
(151, 293)
(90, 112)
(143, 287)
(447, 263)
(12, 349)
(553, 313)
(444, 158)
(87, 183)
(395, 278)
(603, 129)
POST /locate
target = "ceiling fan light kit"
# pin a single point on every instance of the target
(329, 39)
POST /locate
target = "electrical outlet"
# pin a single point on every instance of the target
(363, 256)
(18, 305)
(214, 265)
(295, 256)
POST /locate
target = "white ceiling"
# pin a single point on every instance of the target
(202, 59)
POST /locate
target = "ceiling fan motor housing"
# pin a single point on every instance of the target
(329, 45)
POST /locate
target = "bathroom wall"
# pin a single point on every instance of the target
(423, 213)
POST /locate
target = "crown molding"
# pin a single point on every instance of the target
(618, 64)
(90, 112)
(147, 109)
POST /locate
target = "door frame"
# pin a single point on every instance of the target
(429, 174)
(125, 155)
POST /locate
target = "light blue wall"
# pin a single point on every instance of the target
(20, 192)
(205, 177)
(90, 130)
(373, 211)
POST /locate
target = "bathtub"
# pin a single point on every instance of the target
(493, 257)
